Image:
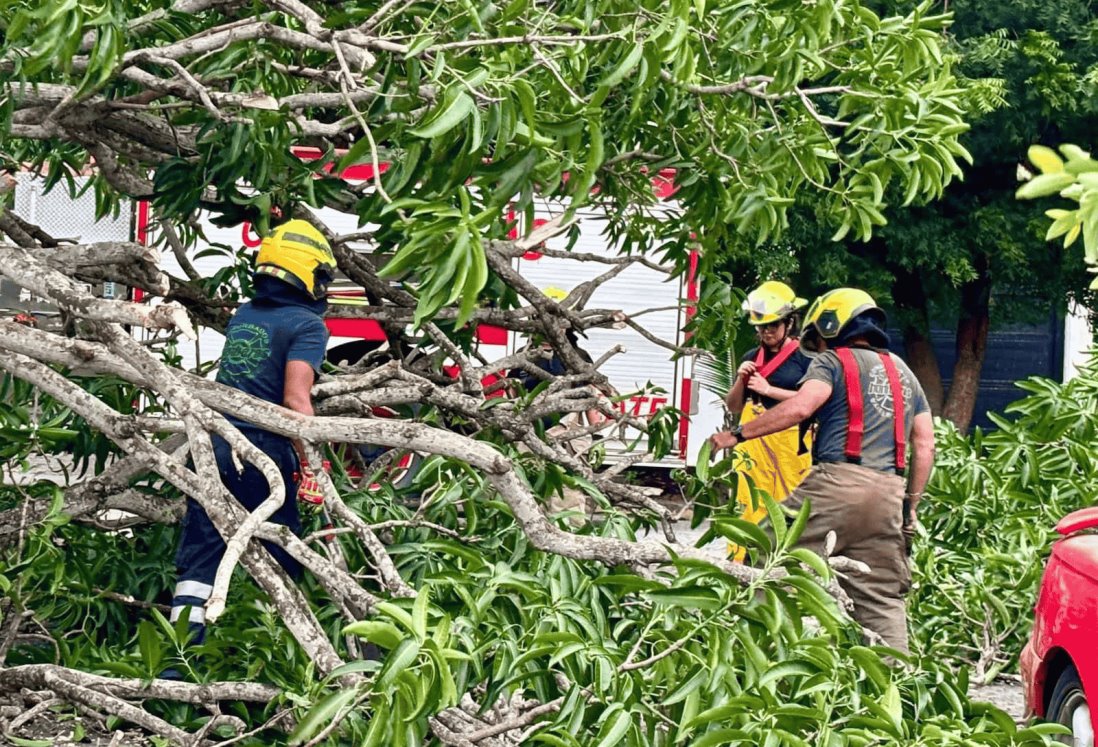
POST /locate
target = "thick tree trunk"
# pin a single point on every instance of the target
(972, 329)
(910, 296)
(924, 364)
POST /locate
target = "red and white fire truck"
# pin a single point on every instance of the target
(647, 373)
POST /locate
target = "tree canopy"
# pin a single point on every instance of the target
(976, 258)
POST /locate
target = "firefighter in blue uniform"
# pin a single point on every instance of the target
(274, 347)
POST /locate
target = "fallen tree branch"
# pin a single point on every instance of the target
(33, 676)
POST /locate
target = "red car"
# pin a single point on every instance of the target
(1060, 662)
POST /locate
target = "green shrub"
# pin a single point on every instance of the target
(989, 516)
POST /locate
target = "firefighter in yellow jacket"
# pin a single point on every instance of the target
(771, 373)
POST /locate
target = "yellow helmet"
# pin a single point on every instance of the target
(771, 302)
(830, 314)
(298, 254)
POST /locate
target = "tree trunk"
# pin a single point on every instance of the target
(972, 329)
(910, 297)
(924, 364)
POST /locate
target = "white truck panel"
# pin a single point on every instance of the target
(645, 367)
(646, 370)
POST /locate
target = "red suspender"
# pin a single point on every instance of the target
(897, 411)
(775, 363)
(759, 356)
(856, 427)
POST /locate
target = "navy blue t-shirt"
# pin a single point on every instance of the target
(788, 376)
(261, 339)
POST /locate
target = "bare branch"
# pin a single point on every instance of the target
(30, 273)
(526, 41)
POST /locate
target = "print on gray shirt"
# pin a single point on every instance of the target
(834, 416)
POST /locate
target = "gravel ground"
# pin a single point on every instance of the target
(1005, 692)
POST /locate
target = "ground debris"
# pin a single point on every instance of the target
(1005, 693)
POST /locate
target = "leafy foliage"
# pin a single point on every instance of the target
(467, 114)
(695, 657)
(1074, 179)
(829, 95)
(989, 516)
(1027, 70)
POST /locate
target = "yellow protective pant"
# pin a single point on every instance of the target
(774, 466)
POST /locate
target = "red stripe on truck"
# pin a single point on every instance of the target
(357, 171)
(684, 423)
(141, 233)
(491, 335)
(366, 329)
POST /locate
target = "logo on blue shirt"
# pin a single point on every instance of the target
(247, 348)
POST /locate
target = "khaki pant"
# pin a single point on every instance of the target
(864, 508)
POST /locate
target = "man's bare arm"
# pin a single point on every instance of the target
(796, 409)
(297, 394)
(922, 459)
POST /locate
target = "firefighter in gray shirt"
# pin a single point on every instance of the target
(869, 407)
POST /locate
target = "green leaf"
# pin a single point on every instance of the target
(799, 524)
(894, 706)
(449, 115)
(386, 635)
(419, 612)
(397, 662)
(701, 467)
(722, 737)
(1045, 159)
(399, 614)
(870, 663)
(784, 670)
(322, 713)
(1074, 152)
(696, 597)
(698, 677)
(1044, 185)
(21, 742)
(379, 725)
(149, 644)
(615, 726)
(742, 532)
(626, 66)
(818, 565)
(627, 582)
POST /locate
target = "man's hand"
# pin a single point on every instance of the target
(746, 369)
(723, 440)
(758, 384)
(910, 526)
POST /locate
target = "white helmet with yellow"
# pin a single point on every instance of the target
(771, 302)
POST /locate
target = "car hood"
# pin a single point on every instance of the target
(1077, 521)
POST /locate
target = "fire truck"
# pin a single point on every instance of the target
(648, 376)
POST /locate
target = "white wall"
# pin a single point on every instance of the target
(706, 418)
(1078, 339)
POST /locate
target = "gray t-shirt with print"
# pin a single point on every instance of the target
(834, 416)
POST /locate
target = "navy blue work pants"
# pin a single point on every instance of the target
(201, 547)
